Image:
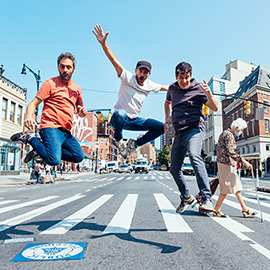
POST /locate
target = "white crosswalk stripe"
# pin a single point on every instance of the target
(71, 221)
(174, 222)
(39, 211)
(122, 220)
(13, 207)
(8, 201)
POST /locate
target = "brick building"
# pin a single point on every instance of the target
(254, 143)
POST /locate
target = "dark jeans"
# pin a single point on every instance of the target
(38, 176)
(57, 145)
(190, 141)
(121, 121)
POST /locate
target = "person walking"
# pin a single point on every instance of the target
(60, 96)
(185, 98)
(227, 160)
(133, 91)
(48, 169)
(37, 170)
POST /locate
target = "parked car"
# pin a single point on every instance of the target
(124, 169)
(112, 166)
(163, 168)
(187, 167)
(141, 166)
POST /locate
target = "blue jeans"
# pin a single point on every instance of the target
(38, 176)
(190, 141)
(57, 145)
(121, 121)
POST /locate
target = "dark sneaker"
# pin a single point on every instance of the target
(184, 204)
(22, 137)
(207, 206)
(32, 154)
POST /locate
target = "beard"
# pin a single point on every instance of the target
(65, 76)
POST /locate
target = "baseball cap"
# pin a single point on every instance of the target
(144, 64)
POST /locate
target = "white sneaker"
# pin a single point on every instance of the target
(131, 146)
(121, 145)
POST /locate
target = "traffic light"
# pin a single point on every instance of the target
(205, 110)
(247, 107)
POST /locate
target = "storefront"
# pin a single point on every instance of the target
(10, 157)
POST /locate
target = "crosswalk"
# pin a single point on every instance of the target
(121, 219)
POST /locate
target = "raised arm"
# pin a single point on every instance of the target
(101, 38)
(211, 103)
(164, 88)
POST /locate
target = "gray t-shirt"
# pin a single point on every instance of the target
(187, 106)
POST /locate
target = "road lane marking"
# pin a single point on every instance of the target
(173, 221)
(254, 200)
(5, 224)
(20, 205)
(8, 201)
(129, 178)
(121, 221)
(68, 223)
(238, 229)
(137, 177)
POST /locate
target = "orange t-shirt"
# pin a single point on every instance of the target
(59, 100)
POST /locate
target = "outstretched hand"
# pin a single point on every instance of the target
(98, 32)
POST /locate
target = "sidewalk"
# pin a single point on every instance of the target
(23, 178)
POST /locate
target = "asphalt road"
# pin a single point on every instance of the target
(128, 221)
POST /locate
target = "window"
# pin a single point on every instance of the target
(252, 107)
(265, 102)
(247, 129)
(242, 114)
(267, 147)
(243, 150)
(254, 148)
(252, 127)
(4, 108)
(12, 112)
(19, 115)
(266, 124)
(101, 142)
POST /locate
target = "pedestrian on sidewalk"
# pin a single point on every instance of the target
(227, 160)
(48, 169)
(37, 171)
(185, 98)
(61, 168)
(132, 93)
(60, 96)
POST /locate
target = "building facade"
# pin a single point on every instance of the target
(12, 105)
(228, 84)
(254, 143)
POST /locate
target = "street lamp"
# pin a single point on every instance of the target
(38, 80)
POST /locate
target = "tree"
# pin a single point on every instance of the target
(164, 156)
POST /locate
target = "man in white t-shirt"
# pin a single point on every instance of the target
(132, 93)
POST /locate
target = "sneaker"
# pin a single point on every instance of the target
(131, 147)
(207, 206)
(184, 204)
(22, 137)
(32, 154)
(121, 145)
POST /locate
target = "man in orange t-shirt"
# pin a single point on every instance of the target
(60, 96)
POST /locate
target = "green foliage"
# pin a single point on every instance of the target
(164, 156)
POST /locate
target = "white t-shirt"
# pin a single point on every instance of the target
(131, 95)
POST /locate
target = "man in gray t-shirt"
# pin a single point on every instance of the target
(185, 98)
(133, 91)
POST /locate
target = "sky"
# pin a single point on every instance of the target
(206, 33)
